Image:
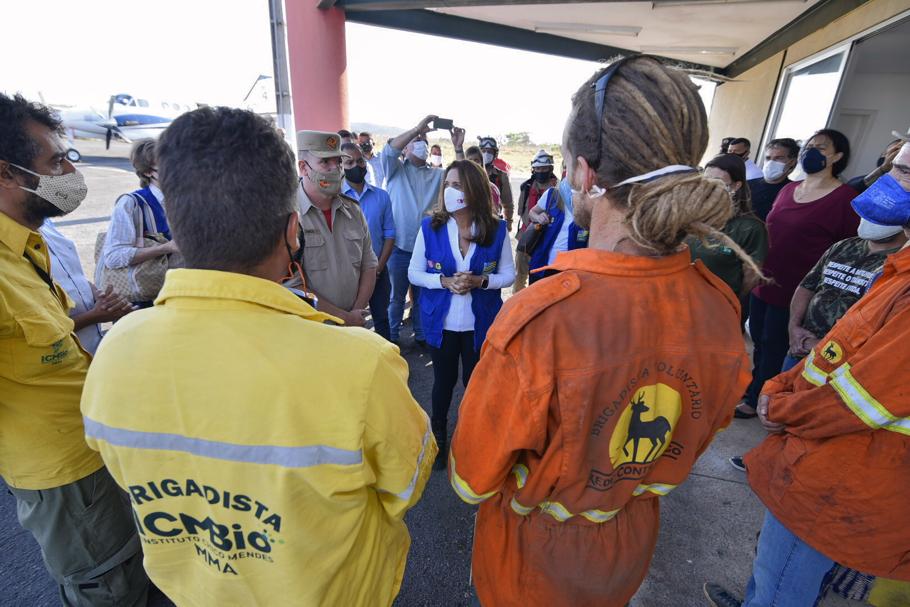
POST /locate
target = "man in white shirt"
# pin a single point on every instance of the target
(92, 307)
(741, 147)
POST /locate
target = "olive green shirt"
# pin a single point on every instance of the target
(749, 232)
(334, 259)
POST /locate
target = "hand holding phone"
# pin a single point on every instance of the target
(443, 124)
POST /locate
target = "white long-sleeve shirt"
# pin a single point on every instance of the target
(120, 246)
(460, 316)
(66, 270)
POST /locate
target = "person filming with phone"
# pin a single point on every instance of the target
(413, 186)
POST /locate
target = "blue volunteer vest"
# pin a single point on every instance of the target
(578, 237)
(147, 197)
(434, 303)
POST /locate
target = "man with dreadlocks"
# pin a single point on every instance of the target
(626, 362)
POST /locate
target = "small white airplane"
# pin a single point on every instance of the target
(130, 117)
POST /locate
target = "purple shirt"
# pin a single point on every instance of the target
(799, 234)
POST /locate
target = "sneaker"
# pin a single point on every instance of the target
(718, 596)
(737, 462)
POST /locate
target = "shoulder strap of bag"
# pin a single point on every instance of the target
(44, 275)
(139, 218)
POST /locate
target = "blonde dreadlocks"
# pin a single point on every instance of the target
(653, 118)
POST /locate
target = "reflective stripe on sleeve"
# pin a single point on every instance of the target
(864, 405)
(462, 488)
(813, 374)
(658, 488)
(407, 493)
(521, 474)
(289, 457)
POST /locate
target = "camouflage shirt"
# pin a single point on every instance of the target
(839, 279)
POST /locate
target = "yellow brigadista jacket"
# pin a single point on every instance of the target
(269, 458)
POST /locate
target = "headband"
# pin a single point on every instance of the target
(673, 169)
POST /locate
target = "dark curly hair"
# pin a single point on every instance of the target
(16, 146)
(230, 185)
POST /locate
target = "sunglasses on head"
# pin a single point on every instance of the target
(600, 95)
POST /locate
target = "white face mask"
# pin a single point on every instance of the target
(66, 192)
(420, 150)
(454, 200)
(874, 232)
(436, 159)
(774, 170)
(487, 158)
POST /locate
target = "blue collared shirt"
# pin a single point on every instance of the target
(377, 208)
(413, 191)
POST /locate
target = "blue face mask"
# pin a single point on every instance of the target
(813, 161)
(885, 202)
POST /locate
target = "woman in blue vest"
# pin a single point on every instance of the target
(462, 258)
(553, 211)
(135, 215)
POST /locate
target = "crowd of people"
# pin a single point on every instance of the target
(220, 444)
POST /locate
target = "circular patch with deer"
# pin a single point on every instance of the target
(645, 426)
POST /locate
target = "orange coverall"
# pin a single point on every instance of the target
(596, 391)
(838, 477)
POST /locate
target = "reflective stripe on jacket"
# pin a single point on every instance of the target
(269, 458)
(835, 478)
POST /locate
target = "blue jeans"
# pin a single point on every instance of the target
(379, 303)
(789, 362)
(398, 272)
(768, 326)
(787, 572)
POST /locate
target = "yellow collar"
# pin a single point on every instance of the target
(212, 284)
(14, 235)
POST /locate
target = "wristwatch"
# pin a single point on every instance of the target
(484, 282)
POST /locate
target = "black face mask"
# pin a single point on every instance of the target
(366, 147)
(355, 175)
(543, 177)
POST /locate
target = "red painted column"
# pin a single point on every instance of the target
(317, 61)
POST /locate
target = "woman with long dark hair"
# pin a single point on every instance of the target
(461, 260)
(744, 228)
(807, 217)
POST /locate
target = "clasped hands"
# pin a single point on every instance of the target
(461, 282)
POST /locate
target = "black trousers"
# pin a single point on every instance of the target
(768, 326)
(455, 346)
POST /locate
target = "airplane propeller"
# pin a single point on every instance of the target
(111, 124)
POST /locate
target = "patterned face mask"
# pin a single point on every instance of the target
(66, 192)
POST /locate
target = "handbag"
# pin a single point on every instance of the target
(148, 276)
(531, 237)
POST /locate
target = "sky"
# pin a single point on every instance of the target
(80, 53)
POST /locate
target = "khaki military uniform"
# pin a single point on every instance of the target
(333, 259)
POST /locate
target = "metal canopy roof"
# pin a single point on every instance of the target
(726, 37)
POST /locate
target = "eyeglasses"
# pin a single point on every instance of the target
(600, 94)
